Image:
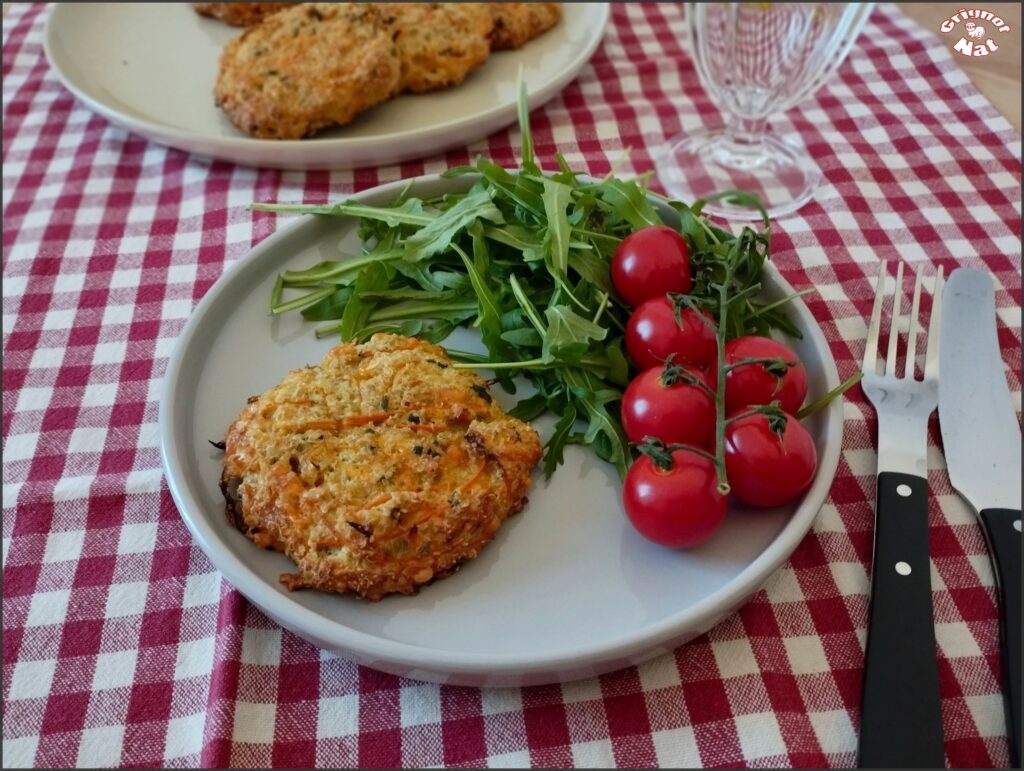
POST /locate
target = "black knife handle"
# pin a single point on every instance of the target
(901, 714)
(1003, 538)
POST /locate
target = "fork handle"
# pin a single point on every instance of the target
(901, 715)
(1003, 538)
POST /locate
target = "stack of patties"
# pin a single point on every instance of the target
(300, 68)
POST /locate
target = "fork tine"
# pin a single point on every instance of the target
(931, 361)
(915, 326)
(894, 324)
(870, 365)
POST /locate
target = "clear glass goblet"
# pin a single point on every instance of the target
(754, 60)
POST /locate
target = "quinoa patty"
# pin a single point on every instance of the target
(439, 43)
(378, 470)
(307, 68)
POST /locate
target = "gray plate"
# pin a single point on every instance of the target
(567, 589)
(154, 72)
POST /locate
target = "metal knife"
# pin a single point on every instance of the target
(982, 444)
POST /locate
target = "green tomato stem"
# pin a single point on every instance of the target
(746, 360)
(697, 451)
(723, 481)
(772, 410)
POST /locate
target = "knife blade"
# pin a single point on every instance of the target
(982, 443)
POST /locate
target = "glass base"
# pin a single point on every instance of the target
(699, 164)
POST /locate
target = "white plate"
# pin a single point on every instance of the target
(151, 68)
(566, 590)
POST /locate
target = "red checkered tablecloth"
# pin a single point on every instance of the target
(123, 646)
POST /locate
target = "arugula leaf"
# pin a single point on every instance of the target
(455, 311)
(604, 432)
(433, 332)
(481, 254)
(618, 366)
(408, 213)
(458, 171)
(419, 274)
(556, 199)
(629, 201)
(358, 308)
(339, 272)
(411, 293)
(523, 337)
(511, 186)
(530, 408)
(528, 307)
(554, 450)
(524, 127)
(520, 239)
(569, 335)
(489, 313)
(331, 307)
(593, 268)
(737, 198)
(451, 280)
(437, 236)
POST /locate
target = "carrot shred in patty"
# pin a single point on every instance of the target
(335, 425)
(376, 502)
(476, 476)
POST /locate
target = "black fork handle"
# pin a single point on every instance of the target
(901, 715)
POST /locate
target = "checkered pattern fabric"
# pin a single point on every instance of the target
(123, 646)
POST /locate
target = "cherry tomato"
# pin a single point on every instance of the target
(677, 507)
(652, 335)
(649, 262)
(659, 402)
(754, 384)
(764, 469)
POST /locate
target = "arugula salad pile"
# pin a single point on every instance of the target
(524, 257)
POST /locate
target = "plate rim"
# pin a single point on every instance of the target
(368, 647)
(186, 139)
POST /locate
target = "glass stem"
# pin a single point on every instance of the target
(742, 147)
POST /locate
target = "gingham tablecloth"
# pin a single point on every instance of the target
(123, 646)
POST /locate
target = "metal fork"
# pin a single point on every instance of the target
(901, 718)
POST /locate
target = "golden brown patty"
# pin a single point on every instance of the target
(240, 14)
(439, 43)
(378, 470)
(312, 66)
(517, 23)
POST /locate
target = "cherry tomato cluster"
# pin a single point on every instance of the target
(672, 493)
